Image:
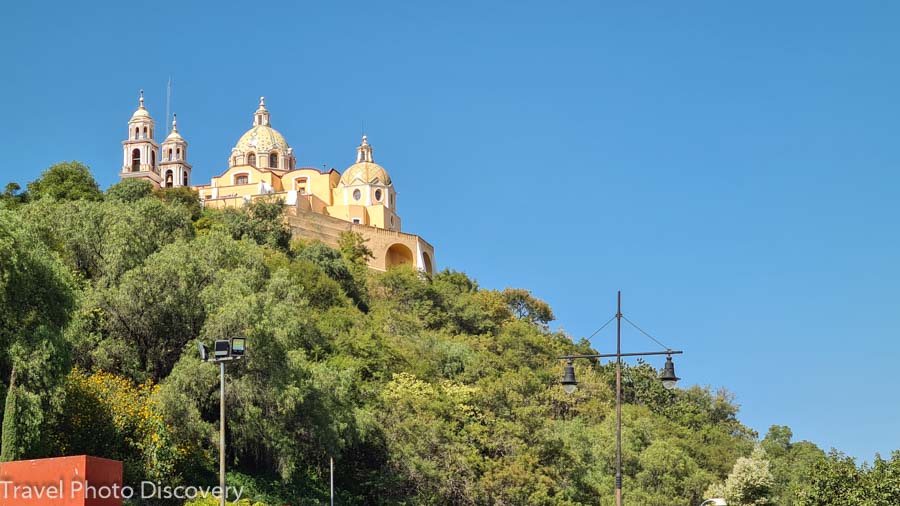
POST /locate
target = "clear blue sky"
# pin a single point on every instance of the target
(731, 167)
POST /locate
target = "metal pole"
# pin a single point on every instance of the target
(331, 465)
(619, 401)
(222, 432)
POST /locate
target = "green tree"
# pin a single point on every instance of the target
(528, 307)
(130, 190)
(36, 300)
(184, 195)
(66, 181)
(792, 464)
(12, 196)
(102, 240)
(261, 222)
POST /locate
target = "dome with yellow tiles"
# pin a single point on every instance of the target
(365, 170)
(365, 173)
(262, 139)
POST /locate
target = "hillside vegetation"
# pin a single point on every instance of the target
(425, 390)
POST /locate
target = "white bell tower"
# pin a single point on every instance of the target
(140, 153)
(174, 170)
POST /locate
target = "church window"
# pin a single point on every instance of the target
(184, 179)
(135, 160)
(357, 194)
(153, 159)
(145, 132)
(357, 221)
(178, 154)
(251, 159)
(378, 195)
(241, 179)
(137, 132)
(300, 185)
(273, 160)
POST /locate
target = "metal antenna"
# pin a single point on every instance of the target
(168, 104)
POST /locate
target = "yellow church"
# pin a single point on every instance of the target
(318, 205)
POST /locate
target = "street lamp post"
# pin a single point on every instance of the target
(668, 378)
(223, 351)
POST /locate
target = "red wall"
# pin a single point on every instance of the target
(62, 481)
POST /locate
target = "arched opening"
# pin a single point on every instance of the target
(135, 160)
(251, 159)
(145, 132)
(242, 179)
(169, 154)
(169, 179)
(273, 160)
(137, 133)
(178, 154)
(184, 179)
(398, 254)
(300, 185)
(426, 259)
(153, 159)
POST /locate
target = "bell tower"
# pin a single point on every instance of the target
(140, 153)
(174, 170)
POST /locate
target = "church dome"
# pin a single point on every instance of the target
(141, 112)
(365, 170)
(365, 173)
(174, 135)
(262, 139)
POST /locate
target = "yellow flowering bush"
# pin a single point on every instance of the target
(214, 501)
(106, 415)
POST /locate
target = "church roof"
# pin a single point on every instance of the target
(262, 139)
(365, 173)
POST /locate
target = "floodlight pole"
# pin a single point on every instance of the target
(222, 433)
(233, 349)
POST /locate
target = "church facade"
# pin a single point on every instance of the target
(262, 165)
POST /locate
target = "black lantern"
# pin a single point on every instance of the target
(569, 384)
(668, 375)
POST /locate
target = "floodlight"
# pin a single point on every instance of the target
(221, 349)
(238, 346)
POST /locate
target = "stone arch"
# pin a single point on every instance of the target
(398, 254)
(169, 182)
(428, 263)
(135, 160)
